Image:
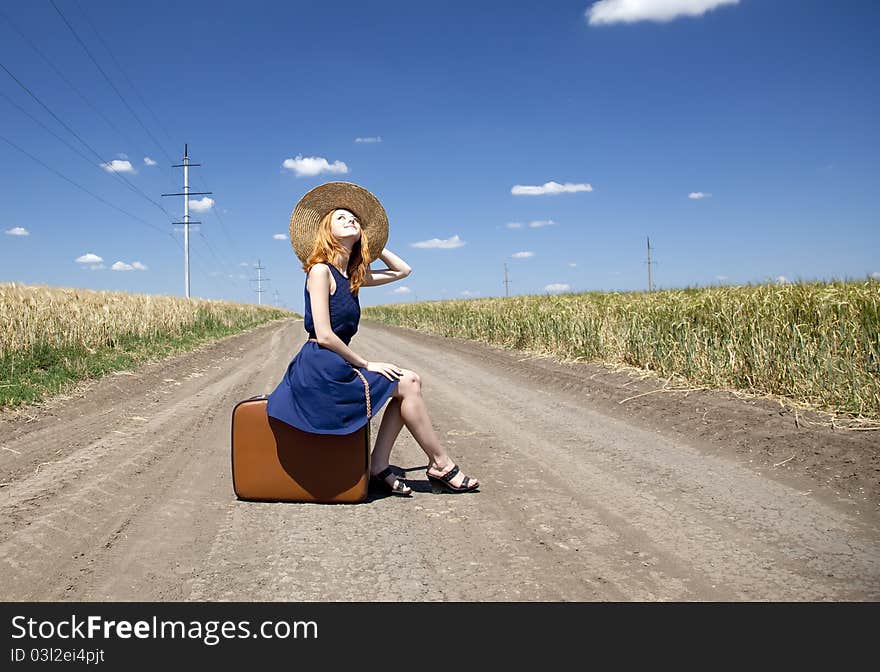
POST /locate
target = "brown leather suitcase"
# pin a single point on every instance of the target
(273, 461)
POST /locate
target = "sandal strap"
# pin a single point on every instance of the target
(449, 475)
(385, 472)
(464, 483)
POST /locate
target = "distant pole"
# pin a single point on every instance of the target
(186, 193)
(260, 280)
(276, 297)
(650, 282)
(506, 283)
(186, 218)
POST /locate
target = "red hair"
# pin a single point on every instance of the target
(328, 248)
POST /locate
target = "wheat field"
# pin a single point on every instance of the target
(55, 335)
(817, 343)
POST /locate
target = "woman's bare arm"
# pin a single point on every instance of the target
(397, 270)
(318, 283)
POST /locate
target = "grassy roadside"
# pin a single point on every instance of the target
(815, 343)
(53, 338)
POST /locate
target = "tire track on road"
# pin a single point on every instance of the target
(127, 495)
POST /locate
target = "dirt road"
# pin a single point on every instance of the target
(123, 491)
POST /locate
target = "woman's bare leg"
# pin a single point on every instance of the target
(414, 413)
(389, 428)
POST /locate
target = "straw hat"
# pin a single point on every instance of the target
(322, 199)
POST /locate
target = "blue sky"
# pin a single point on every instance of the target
(768, 109)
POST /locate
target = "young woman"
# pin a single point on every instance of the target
(323, 388)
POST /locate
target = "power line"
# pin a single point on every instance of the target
(214, 252)
(223, 259)
(216, 258)
(217, 215)
(223, 273)
(232, 245)
(140, 97)
(200, 263)
(78, 152)
(127, 79)
(78, 137)
(76, 90)
(119, 67)
(112, 126)
(110, 82)
(79, 186)
(99, 198)
(104, 201)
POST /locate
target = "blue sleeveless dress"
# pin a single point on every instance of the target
(320, 391)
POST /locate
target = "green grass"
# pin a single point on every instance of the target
(44, 370)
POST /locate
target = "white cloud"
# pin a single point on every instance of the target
(875, 275)
(514, 225)
(549, 188)
(556, 287)
(149, 161)
(572, 264)
(697, 195)
(122, 155)
(629, 11)
(468, 292)
(537, 224)
(122, 266)
(201, 204)
(245, 263)
(522, 255)
(279, 236)
(313, 165)
(17, 231)
(118, 166)
(374, 138)
(721, 278)
(402, 290)
(781, 280)
(89, 258)
(447, 244)
(96, 267)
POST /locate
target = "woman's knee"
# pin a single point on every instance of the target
(409, 382)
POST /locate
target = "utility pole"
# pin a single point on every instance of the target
(259, 280)
(275, 303)
(186, 194)
(650, 282)
(506, 283)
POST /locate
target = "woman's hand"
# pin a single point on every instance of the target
(386, 369)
